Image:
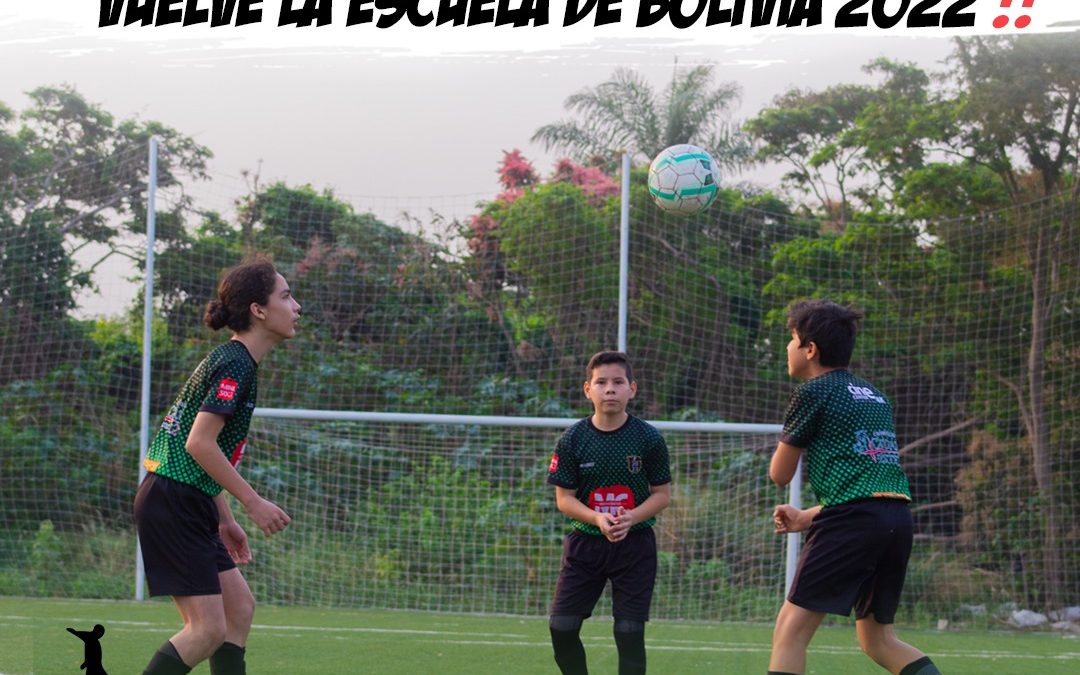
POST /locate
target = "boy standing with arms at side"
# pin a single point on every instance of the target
(860, 535)
(612, 477)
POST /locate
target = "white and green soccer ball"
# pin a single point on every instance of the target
(681, 179)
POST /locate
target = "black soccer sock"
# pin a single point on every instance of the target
(228, 660)
(166, 661)
(566, 641)
(923, 666)
(630, 641)
(780, 672)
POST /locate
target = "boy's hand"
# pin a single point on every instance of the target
(788, 519)
(623, 520)
(607, 524)
(267, 515)
(236, 542)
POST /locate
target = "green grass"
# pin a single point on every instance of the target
(309, 641)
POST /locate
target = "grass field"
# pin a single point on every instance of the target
(306, 641)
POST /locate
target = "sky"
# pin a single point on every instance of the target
(412, 111)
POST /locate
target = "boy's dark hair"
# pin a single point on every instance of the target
(828, 325)
(251, 281)
(604, 358)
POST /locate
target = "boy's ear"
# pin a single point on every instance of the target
(812, 351)
(633, 389)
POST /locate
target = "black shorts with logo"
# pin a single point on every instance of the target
(855, 556)
(588, 561)
(178, 535)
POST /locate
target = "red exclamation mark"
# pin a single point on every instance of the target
(1023, 21)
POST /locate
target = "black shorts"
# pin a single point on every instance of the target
(855, 556)
(178, 534)
(588, 561)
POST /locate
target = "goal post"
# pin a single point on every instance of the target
(453, 513)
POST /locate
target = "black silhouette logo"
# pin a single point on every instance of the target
(92, 649)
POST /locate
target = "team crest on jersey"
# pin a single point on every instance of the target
(554, 462)
(226, 390)
(633, 463)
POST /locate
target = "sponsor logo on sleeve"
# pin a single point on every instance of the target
(226, 390)
(554, 462)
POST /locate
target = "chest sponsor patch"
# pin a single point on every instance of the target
(609, 499)
(633, 463)
(226, 389)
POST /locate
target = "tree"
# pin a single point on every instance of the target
(850, 146)
(71, 176)
(993, 147)
(624, 114)
(1019, 115)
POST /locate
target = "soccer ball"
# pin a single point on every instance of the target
(681, 179)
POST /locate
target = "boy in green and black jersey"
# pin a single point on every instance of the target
(612, 477)
(860, 534)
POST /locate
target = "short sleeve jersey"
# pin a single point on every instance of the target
(224, 383)
(609, 469)
(845, 426)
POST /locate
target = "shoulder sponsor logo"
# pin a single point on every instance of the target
(864, 394)
(554, 463)
(609, 499)
(226, 390)
(879, 446)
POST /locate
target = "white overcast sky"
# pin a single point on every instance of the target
(407, 111)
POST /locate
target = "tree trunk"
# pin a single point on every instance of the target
(1039, 431)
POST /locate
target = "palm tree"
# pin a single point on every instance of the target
(625, 114)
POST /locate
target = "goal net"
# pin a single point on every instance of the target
(491, 305)
(459, 517)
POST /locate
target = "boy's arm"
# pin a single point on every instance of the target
(785, 461)
(203, 448)
(788, 519)
(571, 507)
(232, 534)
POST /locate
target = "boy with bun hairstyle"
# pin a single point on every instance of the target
(190, 541)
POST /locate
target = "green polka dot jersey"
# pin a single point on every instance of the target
(609, 469)
(845, 426)
(224, 383)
